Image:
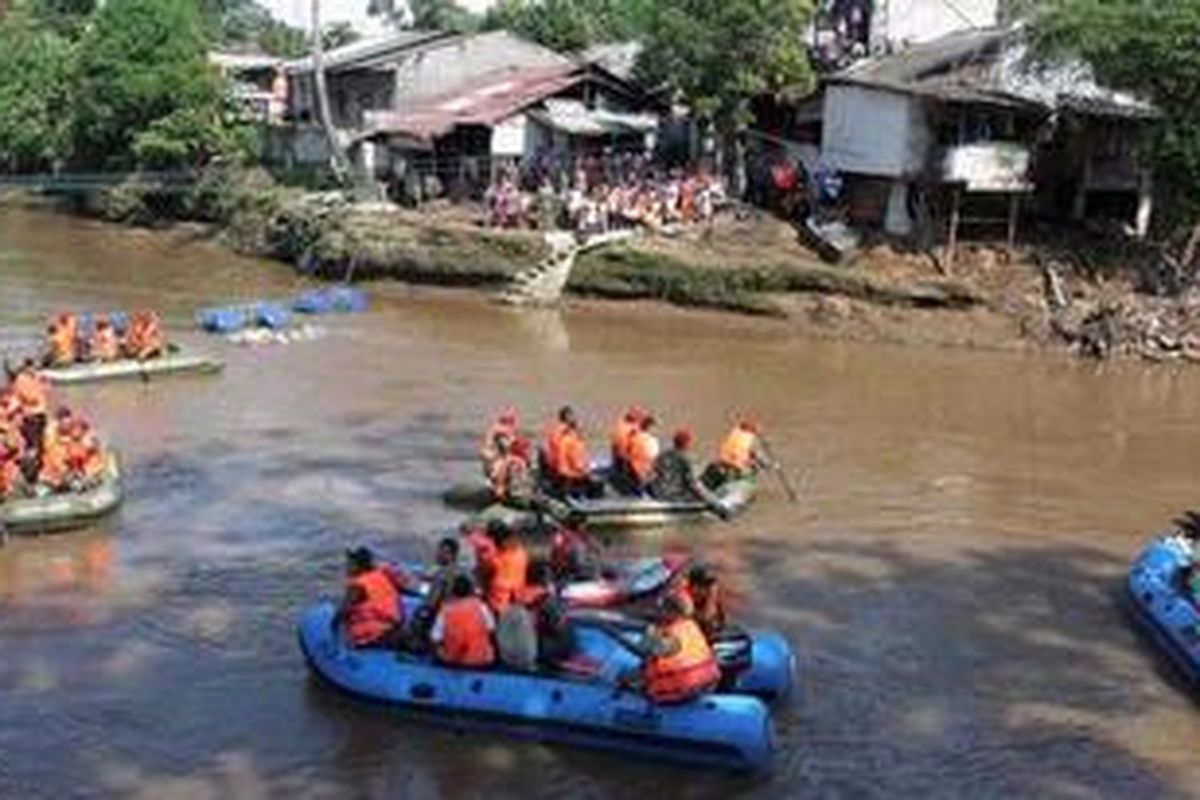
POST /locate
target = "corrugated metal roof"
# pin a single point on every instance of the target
(489, 100)
(991, 66)
(370, 52)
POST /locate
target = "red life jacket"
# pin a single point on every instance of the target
(466, 639)
(377, 612)
(690, 671)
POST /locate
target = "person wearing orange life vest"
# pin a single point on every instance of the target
(52, 470)
(509, 473)
(679, 664)
(565, 458)
(145, 337)
(462, 631)
(60, 342)
(85, 455)
(739, 456)
(371, 613)
(622, 431)
(32, 395)
(506, 576)
(104, 344)
(505, 426)
(12, 448)
(701, 592)
(643, 452)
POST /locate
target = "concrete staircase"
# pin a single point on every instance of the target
(543, 284)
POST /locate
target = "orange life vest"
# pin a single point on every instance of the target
(145, 337)
(53, 472)
(62, 345)
(85, 457)
(691, 670)
(32, 392)
(573, 461)
(377, 612)
(622, 432)
(507, 578)
(737, 450)
(554, 440)
(466, 640)
(10, 473)
(643, 451)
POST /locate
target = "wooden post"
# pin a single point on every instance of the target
(1014, 208)
(952, 243)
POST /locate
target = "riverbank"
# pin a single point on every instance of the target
(1087, 295)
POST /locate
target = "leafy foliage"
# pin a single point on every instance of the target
(1152, 49)
(717, 54)
(570, 25)
(35, 68)
(144, 94)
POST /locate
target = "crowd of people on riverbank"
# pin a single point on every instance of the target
(71, 340)
(639, 465)
(45, 448)
(508, 610)
(605, 194)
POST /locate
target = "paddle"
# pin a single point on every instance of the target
(777, 467)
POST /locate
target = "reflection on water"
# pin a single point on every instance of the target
(951, 577)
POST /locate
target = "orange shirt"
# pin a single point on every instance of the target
(573, 462)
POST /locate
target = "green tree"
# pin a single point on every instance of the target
(144, 91)
(35, 69)
(281, 40)
(1153, 50)
(570, 25)
(338, 34)
(717, 55)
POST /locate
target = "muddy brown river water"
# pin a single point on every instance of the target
(952, 577)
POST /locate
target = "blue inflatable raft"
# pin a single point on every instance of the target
(717, 730)
(1157, 593)
(760, 663)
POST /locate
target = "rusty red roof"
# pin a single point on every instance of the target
(486, 101)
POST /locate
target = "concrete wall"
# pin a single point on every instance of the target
(873, 132)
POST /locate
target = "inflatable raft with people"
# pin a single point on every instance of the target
(52, 513)
(173, 363)
(1164, 591)
(609, 511)
(584, 703)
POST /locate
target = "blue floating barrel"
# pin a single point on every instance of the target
(343, 299)
(314, 301)
(348, 299)
(225, 319)
(272, 315)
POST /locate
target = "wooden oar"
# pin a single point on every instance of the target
(777, 467)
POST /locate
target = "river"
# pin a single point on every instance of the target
(951, 578)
